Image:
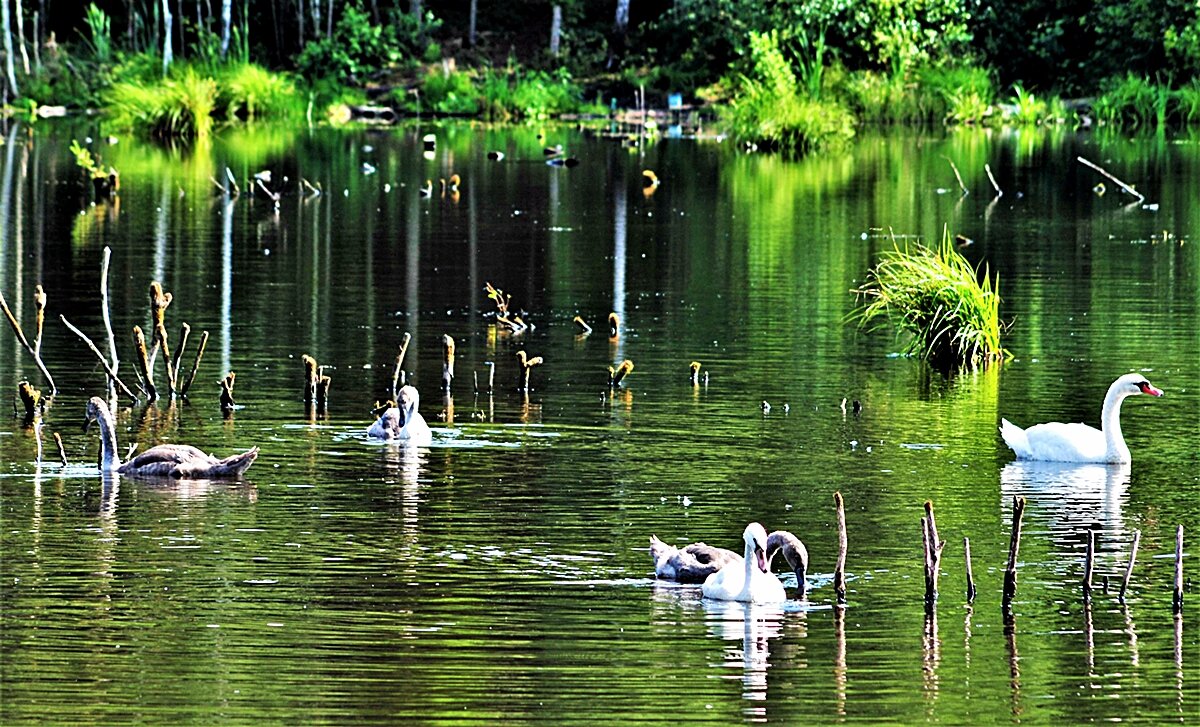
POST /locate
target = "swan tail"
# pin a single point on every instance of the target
(657, 548)
(1016, 439)
(235, 464)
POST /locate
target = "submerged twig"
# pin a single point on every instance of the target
(957, 176)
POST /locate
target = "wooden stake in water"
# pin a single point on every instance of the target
(447, 362)
(584, 328)
(1137, 539)
(614, 325)
(311, 378)
(526, 365)
(615, 376)
(1089, 564)
(187, 385)
(323, 384)
(158, 308)
(839, 571)
(1014, 547)
(933, 554)
(143, 363)
(988, 168)
(1177, 598)
(31, 398)
(694, 376)
(970, 577)
(227, 402)
(491, 374)
(396, 384)
(37, 357)
(62, 453)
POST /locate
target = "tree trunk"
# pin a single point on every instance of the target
(555, 30)
(471, 23)
(299, 21)
(316, 16)
(168, 56)
(181, 39)
(226, 21)
(21, 36)
(10, 69)
(616, 49)
(329, 20)
(414, 7)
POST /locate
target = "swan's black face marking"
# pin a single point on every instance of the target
(1147, 388)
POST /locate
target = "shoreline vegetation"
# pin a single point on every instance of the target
(792, 77)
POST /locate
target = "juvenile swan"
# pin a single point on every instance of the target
(164, 460)
(750, 581)
(403, 422)
(690, 564)
(794, 552)
(1058, 442)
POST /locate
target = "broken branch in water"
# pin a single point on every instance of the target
(112, 375)
(104, 312)
(396, 383)
(526, 365)
(615, 375)
(839, 571)
(957, 176)
(158, 308)
(227, 402)
(584, 328)
(62, 453)
(447, 362)
(195, 364)
(694, 375)
(37, 357)
(988, 168)
(311, 378)
(39, 307)
(31, 398)
(503, 301)
(1141, 197)
(614, 325)
(184, 331)
(323, 384)
(143, 363)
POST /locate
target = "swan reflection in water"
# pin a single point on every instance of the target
(1071, 499)
(750, 626)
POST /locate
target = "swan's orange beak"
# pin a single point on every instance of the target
(1148, 388)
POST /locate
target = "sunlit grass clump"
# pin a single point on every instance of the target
(936, 298)
(177, 106)
(249, 91)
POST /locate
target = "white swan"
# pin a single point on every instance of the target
(750, 581)
(403, 422)
(1057, 442)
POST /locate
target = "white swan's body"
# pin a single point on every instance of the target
(750, 581)
(164, 460)
(403, 422)
(1058, 442)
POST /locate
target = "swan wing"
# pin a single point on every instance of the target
(387, 426)
(1058, 442)
(725, 584)
(172, 454)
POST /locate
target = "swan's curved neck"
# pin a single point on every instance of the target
(1110, 424)
(750, 561)
(108, 440)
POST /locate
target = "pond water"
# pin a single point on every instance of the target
(502, 573)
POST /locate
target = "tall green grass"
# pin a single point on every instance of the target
(180, 105)
(1134, 102)
(937, 299)
(249, 91)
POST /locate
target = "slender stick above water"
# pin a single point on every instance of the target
(1088, 564)
(933, 554)
(839, 572)
(187, 385)
(1014, 547)
(957, 176)
(37, 358)
(1177, 597)
(992, 178)
(143, 363)
(62, 453)
(112, 375)
(399, 366)
(105, 261)
(1141, 197)
(970, 578)
(1137, 539)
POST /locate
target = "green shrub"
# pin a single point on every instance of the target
(936, 297)
(356, 49)
(449, 93)
(180, 105)
(967, 91)
(1028, 109)
(248, 91)
(520, 94)
(1186, 103)
(1133, 102)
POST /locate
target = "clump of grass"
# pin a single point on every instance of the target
(249, 91)
(937, 299)
(967, 91)
(1134, 102)
(179, 106)
(1027, 109)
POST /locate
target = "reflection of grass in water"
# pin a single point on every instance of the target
(937, 298)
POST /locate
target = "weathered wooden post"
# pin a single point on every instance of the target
(1014, 546)
(839, 571)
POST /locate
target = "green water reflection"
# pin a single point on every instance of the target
(502, 575)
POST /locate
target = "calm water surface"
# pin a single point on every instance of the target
(501, 575)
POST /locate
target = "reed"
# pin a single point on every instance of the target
(937, 298)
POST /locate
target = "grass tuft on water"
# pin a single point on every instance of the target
(937, 298)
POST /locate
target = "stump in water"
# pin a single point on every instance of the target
(31, 398)
(447, 362)
(620, 372)
(1014, 547)
(614, 325)
(527, 364)
(227, 403)
(839, 572)
(143, 363)
(311, 378)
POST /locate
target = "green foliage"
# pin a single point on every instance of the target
(769, 109)
(936, 297)
(356, 50)
(1028, 109)
(449, 93)
(965, 90)
(523, 94)
(1134, 102)
(99, 27)
(179, 106)
(89, 164)
(1187, 102)
(248, 91)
